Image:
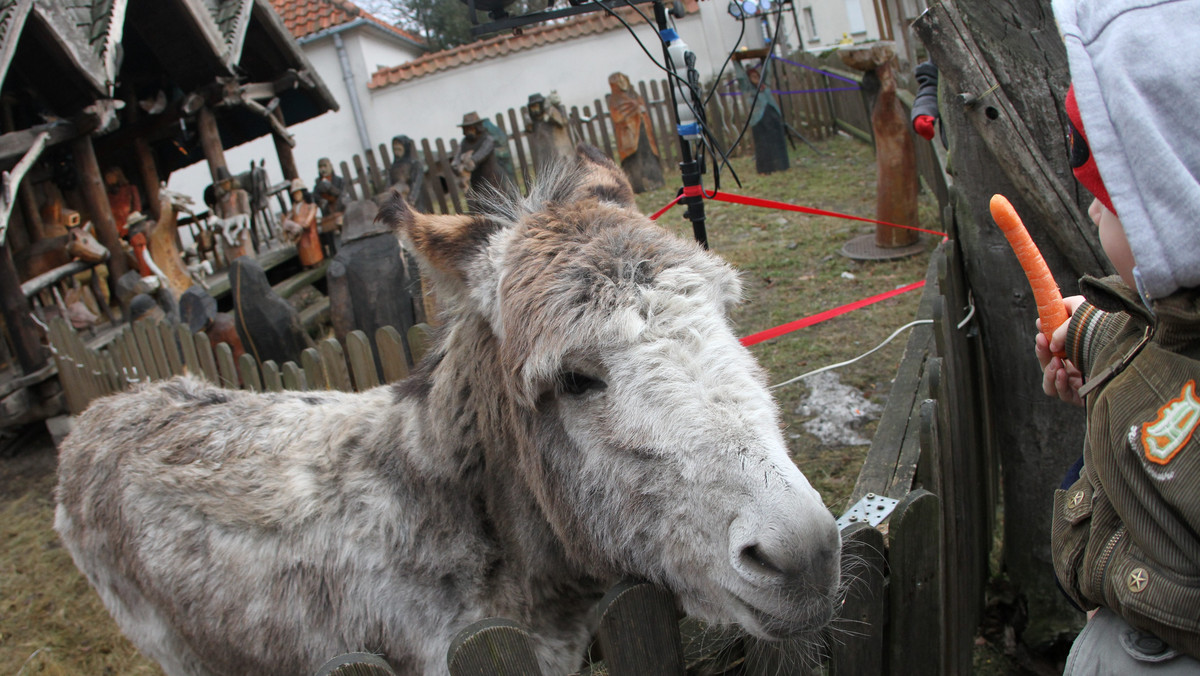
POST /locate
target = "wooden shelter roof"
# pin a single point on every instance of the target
(58, 58)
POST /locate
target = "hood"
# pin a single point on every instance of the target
(1137, 84)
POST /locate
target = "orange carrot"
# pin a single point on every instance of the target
(1049, 300)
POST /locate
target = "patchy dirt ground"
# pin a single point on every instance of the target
(51, 622)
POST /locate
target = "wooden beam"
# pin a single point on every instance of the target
(15, 144)
(965, 75)
(287, 160)
(148, 168)
(10, 181)
(210, 141)
(95, 198)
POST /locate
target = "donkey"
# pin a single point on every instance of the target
(586, 414)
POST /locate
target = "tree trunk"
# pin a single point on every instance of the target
(1010, 141)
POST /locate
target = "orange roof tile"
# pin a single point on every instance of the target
(500, 45)
(306, 17)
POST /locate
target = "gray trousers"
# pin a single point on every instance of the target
(1108, 646)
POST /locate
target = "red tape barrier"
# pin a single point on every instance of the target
(761, 336)
(754, 339)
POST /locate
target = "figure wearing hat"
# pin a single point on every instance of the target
(300, 225)
(483, 158)
(136, 226)
(549, 136)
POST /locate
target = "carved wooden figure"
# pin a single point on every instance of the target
(549, 134)
(483, 158)
(635, 141)
(407, 174)
(895, 155)
(233, 217)
(267, 324)
(766, 119)
(329, 190)
(373, 282)
(300, 226)
(123, 198)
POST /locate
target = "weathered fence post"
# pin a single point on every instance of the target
(639, 631)
(494, 647)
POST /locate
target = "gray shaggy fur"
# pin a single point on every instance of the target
(587, 414)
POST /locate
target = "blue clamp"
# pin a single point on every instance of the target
(668, 35)
(689, 129)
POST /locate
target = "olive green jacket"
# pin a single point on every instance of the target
(1126, 534)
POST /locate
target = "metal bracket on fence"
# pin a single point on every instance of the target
(871, 509)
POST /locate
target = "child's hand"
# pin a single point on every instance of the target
(1060, 378)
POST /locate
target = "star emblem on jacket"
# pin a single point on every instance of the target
(1177, 420)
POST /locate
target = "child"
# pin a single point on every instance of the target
(1126, 532)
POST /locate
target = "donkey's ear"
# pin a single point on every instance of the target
(603, 178)
(447, 243)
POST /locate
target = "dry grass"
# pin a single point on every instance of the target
(51, 622)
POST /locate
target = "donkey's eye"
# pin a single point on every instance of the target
(577, 383)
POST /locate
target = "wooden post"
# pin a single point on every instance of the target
(27, 341)
(95, 198)
(287, 161)
(895, 157)
(149, 170)
(210, 141)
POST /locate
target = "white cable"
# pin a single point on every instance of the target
(851, 361)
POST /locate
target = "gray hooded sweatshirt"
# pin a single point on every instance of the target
(1137, 81)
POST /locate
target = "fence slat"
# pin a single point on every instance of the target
(142, 340)
(915, 586)
(314, 370)
(187, 344)
(362, 361)
(293, 377)
(639, 631)
(248, 369)
(451, 179)
(377, 183)
(333, 358)
(348, 181)
(272, 382)
(154, 337)
(856, 646)
(590, 126)
(604, 119)
(208, 362)
(518, 134)
(364, 183)
(658, 124)
(391, 354)
(436, 177)
(493, 647)
(66, 367)
(226, 366)
(166, 337)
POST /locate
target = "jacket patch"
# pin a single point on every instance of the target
(1177, 420)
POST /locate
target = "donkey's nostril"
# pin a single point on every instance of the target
(753, 558)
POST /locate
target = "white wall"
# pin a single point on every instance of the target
(330, 135)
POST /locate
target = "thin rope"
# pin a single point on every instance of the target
(851, 361)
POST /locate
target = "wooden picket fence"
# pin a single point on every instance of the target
(813, 111)
(152, 350)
